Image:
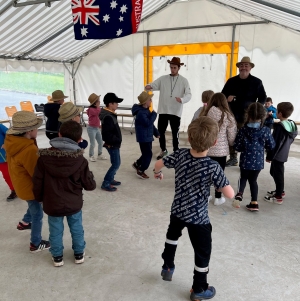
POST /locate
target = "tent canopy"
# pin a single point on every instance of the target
(37, 32)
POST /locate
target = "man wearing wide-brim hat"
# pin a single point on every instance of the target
(174, 92)
(241, 91)
(51, 112)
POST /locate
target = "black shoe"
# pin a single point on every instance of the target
(252, 207)
(232, 162)
(135, 166)
(115, 183)
(162, 154)
(239, 196)
(22, 226)
(79, 258)
(44, 245)
(58, 261)
(12, 196)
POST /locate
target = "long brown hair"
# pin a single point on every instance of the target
(206, 96)
(256, 111)
(218, 100)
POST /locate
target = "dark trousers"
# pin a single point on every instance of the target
(163, 121)
(222, 162)
(200, 237)
(232, 151)
(145, 159)
(277, 172)
(250, 176)
(269, 125)
(51, 135)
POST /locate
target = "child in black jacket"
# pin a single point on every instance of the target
(284, 134)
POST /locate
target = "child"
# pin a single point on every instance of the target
(271, 113)
(60, 175)
(218, 109)
(194, 173)
(93, 128)
(251, 141)
(144, 130)
(3, 165)
(206, 96)
(69, 111)
(51, 112)
(22, 155)
(284, 134)
(112, 137)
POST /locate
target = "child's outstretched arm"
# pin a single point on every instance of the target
(157, 169)
(227, 191)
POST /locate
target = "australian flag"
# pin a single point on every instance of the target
(105, 19)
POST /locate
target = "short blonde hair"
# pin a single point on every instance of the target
(202, 133)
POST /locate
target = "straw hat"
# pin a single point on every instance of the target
(93, 98)
(175, 61)
(143, 97)
(245, 59)
(68, 111)
(58, 95)
(24, 121)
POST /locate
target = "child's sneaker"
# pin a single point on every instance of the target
(273, 192)
(135, 166)
(12, 196)
(167, 274)
(92, 159)
(239, 196)
(205, 295)
(44, 245)
(115, 183)
(58, 261)
(101, 157)
(219, 201)
(252, 207)
(79, 258)
(232, 162)
(273, 199)
(162, 154)
(141, 175)
(109, 188)
(22, 227)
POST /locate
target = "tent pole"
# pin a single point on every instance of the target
(148, 42)
(232, 48)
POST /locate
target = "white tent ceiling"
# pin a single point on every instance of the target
(37, 32)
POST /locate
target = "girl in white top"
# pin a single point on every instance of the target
(218, 109)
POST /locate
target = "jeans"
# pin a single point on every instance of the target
(34, 215)
(251, 176)
(277, 172)
(94, 134)
(144, 161)
(163, 120)
(115, 161)
(200, 237)
(56, 229)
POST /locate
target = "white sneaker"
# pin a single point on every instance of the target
(209, 199)
(102, 157)
(219, 201)
(92, 159)
(236, 203)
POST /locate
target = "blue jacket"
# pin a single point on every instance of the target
(270, 119)
(3, 130)
(251, 142)
(144, 127)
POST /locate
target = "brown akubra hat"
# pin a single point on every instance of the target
(175, 61)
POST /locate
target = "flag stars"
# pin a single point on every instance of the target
(113, 4)
(106, 18)
(119, 32)
(123, 9)
(84, 32)
(121, 19)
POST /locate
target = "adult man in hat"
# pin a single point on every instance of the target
(51, 112)
(174, 92)
(241, 91)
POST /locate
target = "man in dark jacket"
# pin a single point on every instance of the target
(241, 91)
(284, 135)
(59, 177)
(112, 137)
(51, 112)
(144, 130)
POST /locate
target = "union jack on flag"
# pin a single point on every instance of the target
(105, 19)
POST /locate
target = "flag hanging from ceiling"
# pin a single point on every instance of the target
(105, 19)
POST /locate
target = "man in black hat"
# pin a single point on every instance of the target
(174, 92)
(241, 91)
(112, 137)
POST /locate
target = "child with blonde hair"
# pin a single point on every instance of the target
(206, 96)
(218, 110)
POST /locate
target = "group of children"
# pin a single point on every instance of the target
(56, 176)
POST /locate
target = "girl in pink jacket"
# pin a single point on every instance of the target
(218, 109)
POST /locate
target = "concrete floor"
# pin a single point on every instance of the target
(256, 256)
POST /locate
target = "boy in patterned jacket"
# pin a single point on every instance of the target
(194, 174)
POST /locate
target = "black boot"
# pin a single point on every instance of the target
(12, 196)
(232, 161)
